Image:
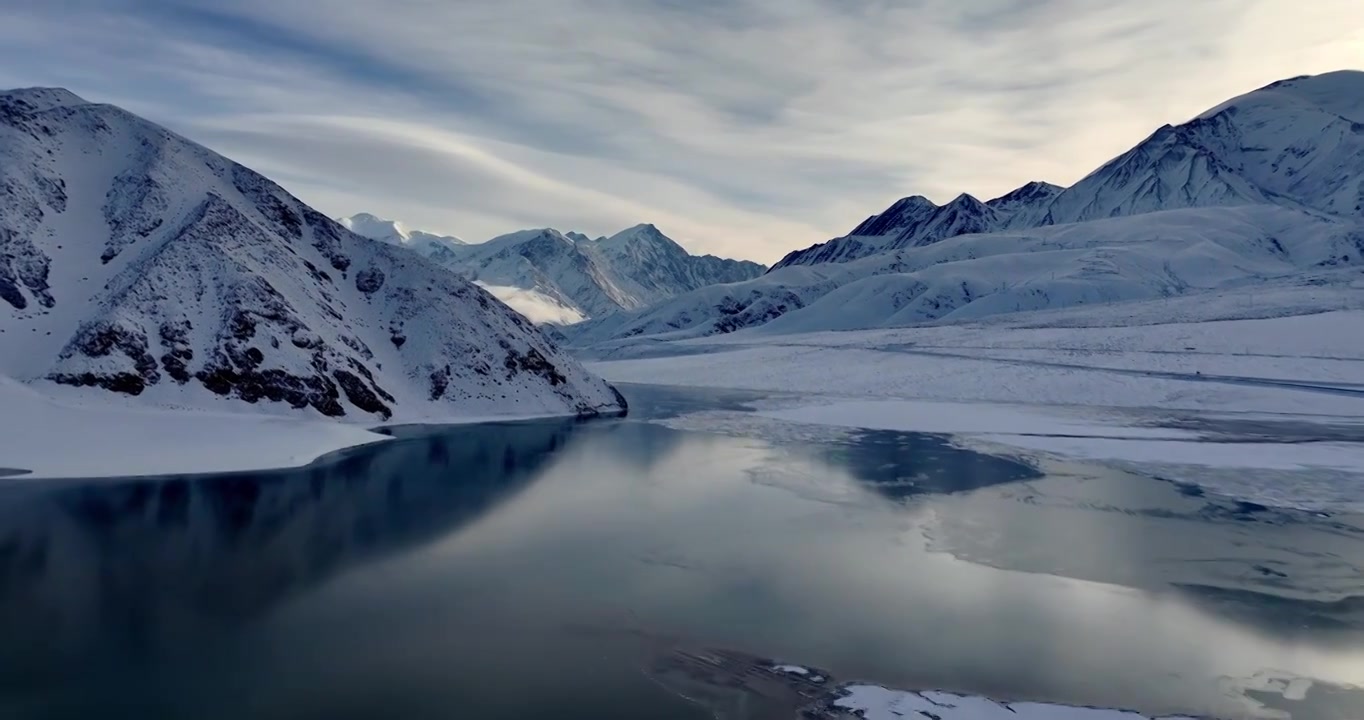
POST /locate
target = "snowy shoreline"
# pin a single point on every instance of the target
(69, 437)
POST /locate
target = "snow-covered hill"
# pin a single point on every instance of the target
(135, 263)
(1265, 188)
(562, 278)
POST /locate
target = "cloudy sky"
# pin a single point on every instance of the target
(741, 127)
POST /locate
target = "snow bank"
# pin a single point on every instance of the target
(51, 439)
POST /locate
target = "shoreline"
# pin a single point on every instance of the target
(45, 438)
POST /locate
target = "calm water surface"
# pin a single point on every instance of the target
(530, 570)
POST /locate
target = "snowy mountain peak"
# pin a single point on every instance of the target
(643, 234)
(38, 99)
(1026, 205)
(900, 214)
(1339, 93)
(376, 228)
(541, 237)
(393, 232)
(1031, 192)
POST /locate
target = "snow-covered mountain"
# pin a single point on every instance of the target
(1266, 188)
(136, 262)
(562, 278)
(969, 277)
(1296, 143)
(440, 247)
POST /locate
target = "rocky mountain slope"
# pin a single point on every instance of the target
(1266, 188)
(562, 278)
(138, 263)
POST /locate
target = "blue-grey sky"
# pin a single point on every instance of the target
(741, 127)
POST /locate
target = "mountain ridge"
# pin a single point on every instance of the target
(1267, 187)
(1184, 165)
(552, 276)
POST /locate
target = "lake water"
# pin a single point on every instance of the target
(530, 570)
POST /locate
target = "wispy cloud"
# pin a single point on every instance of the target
(742, 127)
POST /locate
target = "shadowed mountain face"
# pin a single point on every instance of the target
(145, 561)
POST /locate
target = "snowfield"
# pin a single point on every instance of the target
(873, 702)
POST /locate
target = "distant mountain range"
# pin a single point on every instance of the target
(1265, 188)
(1296, 143)
(136, 262)
(564, 278)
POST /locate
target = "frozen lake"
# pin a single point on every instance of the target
(531, 570)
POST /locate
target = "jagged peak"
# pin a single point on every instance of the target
(44, 98)
(965, 200)
(886, 220)
(1032, 189)
(912, 201)
(647, 230)
(641, 234)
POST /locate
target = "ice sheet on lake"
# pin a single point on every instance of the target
(1097, 385)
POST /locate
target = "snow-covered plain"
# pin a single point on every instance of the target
(1266, 409)
(874, 702)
